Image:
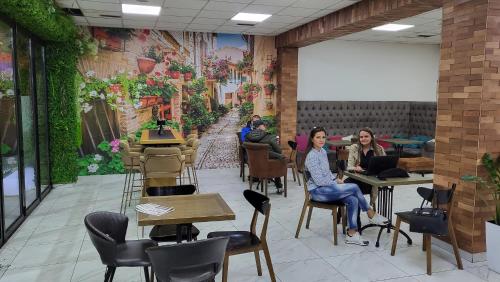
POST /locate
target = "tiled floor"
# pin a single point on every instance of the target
(52, 245)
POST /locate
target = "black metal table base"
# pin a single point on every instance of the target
(384, 204)
(189, 232)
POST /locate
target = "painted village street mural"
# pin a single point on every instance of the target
(130, 78)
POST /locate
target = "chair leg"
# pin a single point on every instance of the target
(189, 175)
(395, 236)
(243, 172)
(309, 217)
(107, 274)
(298, 175)
(344, 219)
(334, 213)
(152, 275)
(146, 273)
(257, 262)
(195, 176)
(424, 245)
(124, 190)
(131, 188)
(225, 268)
(284, 185)
(453, 240)
(293, 173)
(265, 186)
(428, 250)
(250, 183)
(268, 261)
(301, 219)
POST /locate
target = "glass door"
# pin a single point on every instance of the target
(9, 145)
(28, 122)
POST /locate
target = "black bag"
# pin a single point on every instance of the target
(392, 173)
(429, 220)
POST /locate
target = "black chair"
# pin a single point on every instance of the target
(439, 198)
(107, 231)
(241, 242)
(194, 261)
(168, 232)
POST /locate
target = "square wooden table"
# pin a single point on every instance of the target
(170, 137)
(383, 190)
(188, 209)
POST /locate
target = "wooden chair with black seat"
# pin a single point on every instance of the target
(262, 167)
(241, 242)
(337, 208)
(438, 197)
(107, 232)
(292, 161)
(161, 165)
(168, 232)
(131, 163)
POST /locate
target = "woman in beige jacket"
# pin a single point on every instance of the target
(360, 155)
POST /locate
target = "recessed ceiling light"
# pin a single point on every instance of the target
(393, 27)
(141, 9)
(250, 17)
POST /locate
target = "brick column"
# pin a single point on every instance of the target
(286, 99)
(468, 116)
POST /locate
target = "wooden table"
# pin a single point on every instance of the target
(399, 142)
(383, 190)
(188, 209)
(170, 137)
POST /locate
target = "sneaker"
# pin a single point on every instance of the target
(378, 220)
(356, 240)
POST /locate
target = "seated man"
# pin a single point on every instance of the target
(249, 127)
(259, 135)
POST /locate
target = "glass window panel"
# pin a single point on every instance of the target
(8, 129)
(41, 97)
(23, 48)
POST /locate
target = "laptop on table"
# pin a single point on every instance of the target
(378, 164)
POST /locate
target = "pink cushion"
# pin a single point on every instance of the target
(301, 142)
(334, 138)
(384, 144)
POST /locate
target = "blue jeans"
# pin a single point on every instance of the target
(348, 193)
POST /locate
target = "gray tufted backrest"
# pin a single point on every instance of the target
(346, 118)
(423, 118)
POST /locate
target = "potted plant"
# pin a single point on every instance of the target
(492, 186)
(148, 62)
(268, 74)
(269, 89)
(269, 105)
(188, 72)
(174, 70)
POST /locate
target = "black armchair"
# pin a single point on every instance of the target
(168, 232)
(107, 232)
(194, 261)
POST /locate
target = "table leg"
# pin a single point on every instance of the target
(189, 232)
(179, 233)
(385, 201)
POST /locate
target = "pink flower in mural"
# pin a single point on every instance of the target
(115, 88)
(115, 150)
(150, 82)
(115, 143)
(157, 73)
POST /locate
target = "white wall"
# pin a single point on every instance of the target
(338, 70)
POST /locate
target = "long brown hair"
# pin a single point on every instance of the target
(373, 143)
(311, 136)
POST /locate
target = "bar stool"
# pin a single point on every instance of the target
(131, 162)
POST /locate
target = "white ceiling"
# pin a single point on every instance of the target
(428, 23)
(206, 15)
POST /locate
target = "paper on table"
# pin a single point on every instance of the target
(153, 209)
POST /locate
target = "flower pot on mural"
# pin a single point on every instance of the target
(146, 65)
(269, 89)
(148, 101)
(175, 74)
(268, 75)
(188, 76)
(269, 105)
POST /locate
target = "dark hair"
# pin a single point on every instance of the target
(311, 136)
(249, 123)
(373, 143)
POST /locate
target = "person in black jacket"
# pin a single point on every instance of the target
(259, 135)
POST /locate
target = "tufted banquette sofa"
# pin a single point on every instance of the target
(385, 118)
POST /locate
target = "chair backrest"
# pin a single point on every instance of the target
(293, 153)
(262, 205)
(439, 197)
(106, 230)
(258, 156)
(127, 159)
(162, 162)
(171, 190)
(194, 145)
(193, 135)
(306, 175)
(192, 261)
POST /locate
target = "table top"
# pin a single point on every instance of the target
(188, 209)
(374, 181)
(151, 137)
(339, 143)
(401, 141)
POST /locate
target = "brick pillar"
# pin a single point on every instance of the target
(468, 116)
(286, 100)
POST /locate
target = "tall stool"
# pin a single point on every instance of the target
(131, 162)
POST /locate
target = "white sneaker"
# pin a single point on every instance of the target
(356, 240)
(378, 220)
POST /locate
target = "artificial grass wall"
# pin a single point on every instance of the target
(45, 20)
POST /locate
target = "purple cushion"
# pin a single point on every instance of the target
(301, 142)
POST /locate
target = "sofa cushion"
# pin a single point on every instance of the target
(301, 142)
(334, 138)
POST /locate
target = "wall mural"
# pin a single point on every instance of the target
(129, 78)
